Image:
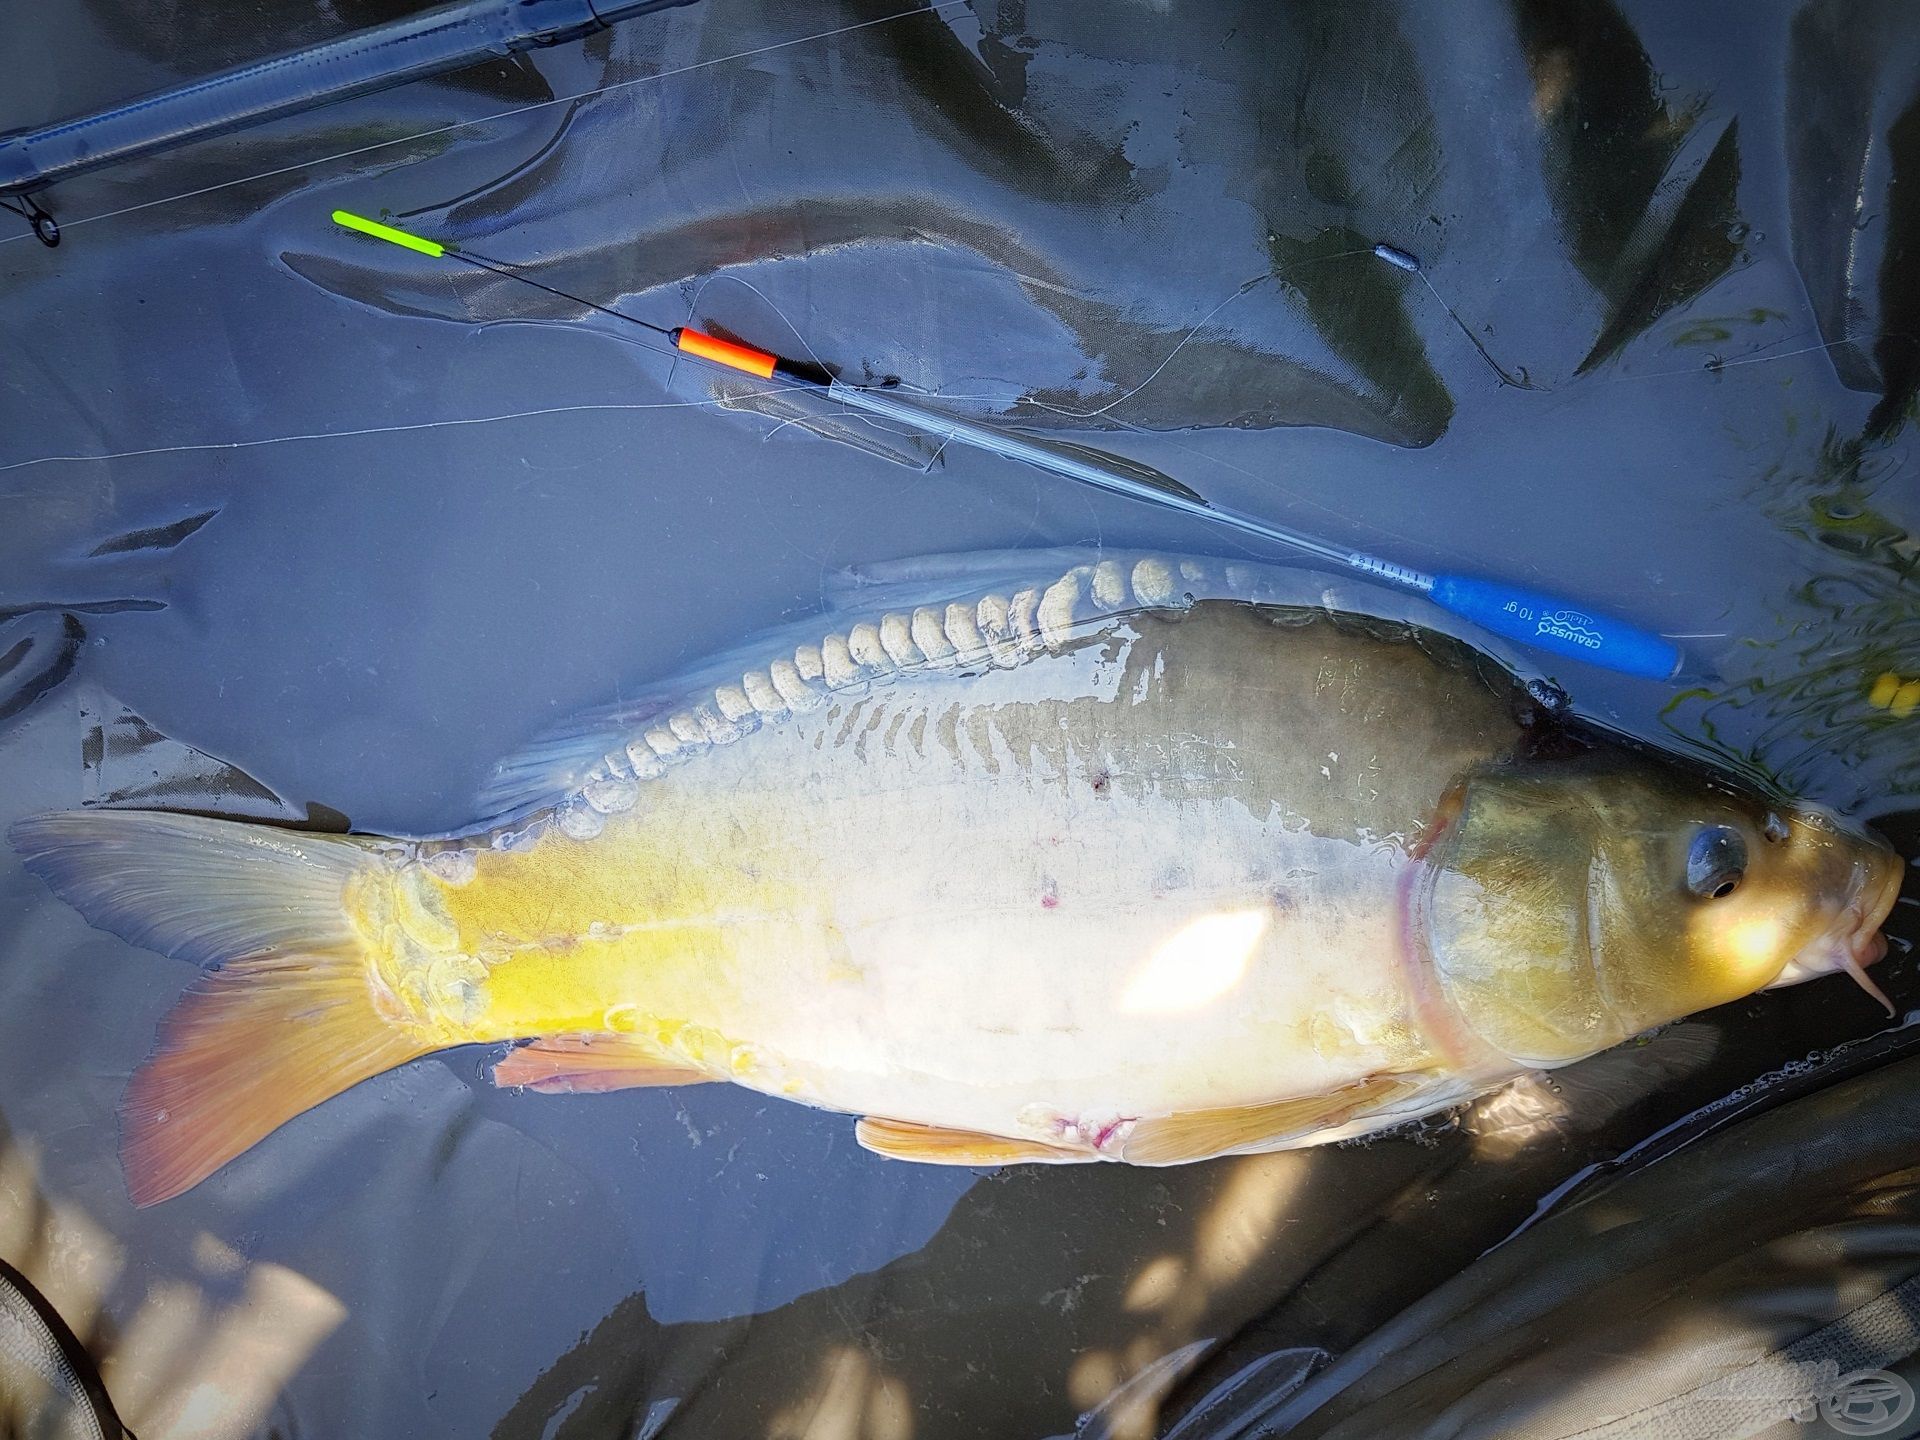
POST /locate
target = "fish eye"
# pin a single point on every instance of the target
(1716, 861)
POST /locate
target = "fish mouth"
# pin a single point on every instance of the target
(1875, 889)
(1854, 941)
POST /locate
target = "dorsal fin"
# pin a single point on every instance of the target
(946, 614)
(952, 617)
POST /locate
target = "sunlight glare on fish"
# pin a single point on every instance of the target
(1198, 963)
(1754, 939)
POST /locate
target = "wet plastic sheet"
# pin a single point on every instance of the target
(1741, 1289)
(373, 538)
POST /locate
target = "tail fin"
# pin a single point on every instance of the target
(285, 1016)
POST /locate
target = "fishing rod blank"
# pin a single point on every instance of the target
(434, 41)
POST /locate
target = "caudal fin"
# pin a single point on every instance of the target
(285, 1016)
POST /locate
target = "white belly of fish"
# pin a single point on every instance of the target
(1016, 943)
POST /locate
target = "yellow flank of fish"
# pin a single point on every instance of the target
(618, 936)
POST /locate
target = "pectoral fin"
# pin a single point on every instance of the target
(933, 1145)
(1200, 1134)
(590, 1064)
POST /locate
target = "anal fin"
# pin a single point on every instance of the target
(591, 1064)
(936, 1145)
(1245, 1129)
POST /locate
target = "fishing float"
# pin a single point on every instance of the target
(1536, 618)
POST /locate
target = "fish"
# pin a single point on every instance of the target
(1149, 860)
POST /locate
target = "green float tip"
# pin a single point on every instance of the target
(392, 236)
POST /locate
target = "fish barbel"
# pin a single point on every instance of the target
(1133, 864)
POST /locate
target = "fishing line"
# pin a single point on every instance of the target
(1406, 260)
(1756, 356)
(1161, 437)
(1165, 437)
(1153, 374)
(1519, 381)
(1101, 410)
(44, 227)
(935, 8)
(693, 307)
(208, 445)
(507, 272)
(1391, 254)
(545, 150)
